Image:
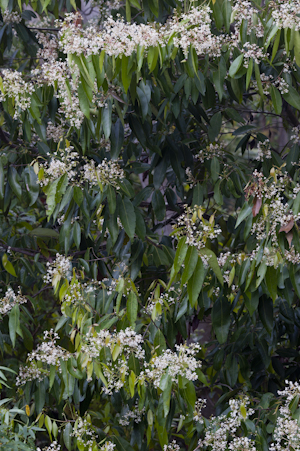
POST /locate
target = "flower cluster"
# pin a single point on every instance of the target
(200, 404)
(12, 17)
(181, 363)
(165, 299)
(196, 229)
(295, 137)
(263, 150)
(135, 415)
(244, 10)
(106, 173)
(286, 14)
(48, 353)
(13, 86)
(277, 215)
(58, 270)
(221, 431)
(194, 28)
(85, 434)
(126, 341)
(253, 51)
(286, 434)
(54, 131)
(65, 82)
(211, 151)
(61, 163)
(48, 51)
(54, 446)
(173, 446)
(10, 300)
(108, 446)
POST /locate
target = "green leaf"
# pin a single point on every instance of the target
(292, 97)
(127, 216)
(265, 310)
(122, 444)
(50, 191)
(297, 47)
(296, 204)
(40, 398)
(196, 282)
(166, 394)
(215, 169)
(144, 95)
(126, 76)
(2, 179)
(42, 232)
(235, 65)
(258, 80)
(271, 280)
(190, 264)
(159, 342)
(8, 265)
(132, 308)
(83, 100)
(245, 211)
(159, 205)
(213, 263)
(78, 195)
(106, 120)
(219, 77)
(31, 185)
(251, 301)
(77, 234)
(215, 126)
(152, 58)
(180, 254)
(13, 179)
(14, 323)
(117, 139)
(276, 99)
(111, 198)
(221, 319)
(249, 73)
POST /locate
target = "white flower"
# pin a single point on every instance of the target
(10, 300)
(181, 363)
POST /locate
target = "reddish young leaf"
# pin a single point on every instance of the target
(256, 206)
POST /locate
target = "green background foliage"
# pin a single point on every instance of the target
(162, 108)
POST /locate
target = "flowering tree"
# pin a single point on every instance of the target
(149, 185)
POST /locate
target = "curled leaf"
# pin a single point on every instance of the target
(256, 206)
(287, 227)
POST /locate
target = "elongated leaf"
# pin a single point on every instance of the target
(265, 310)
(235, 65)
(14, 323)
(221, 319)
(132, 308)
(292, 97)
(127, 216)
(190, 264)
(117, 138)
(196, 282)
(180, 253)
(213, 263)
(8, 265)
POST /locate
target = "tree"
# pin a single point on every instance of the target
(144, 190)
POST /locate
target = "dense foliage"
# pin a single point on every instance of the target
(149, 218)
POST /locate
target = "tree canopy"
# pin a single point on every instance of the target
(149, 218)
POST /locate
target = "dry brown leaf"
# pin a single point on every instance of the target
(256, 206)
(286, 228)
(289, 237)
